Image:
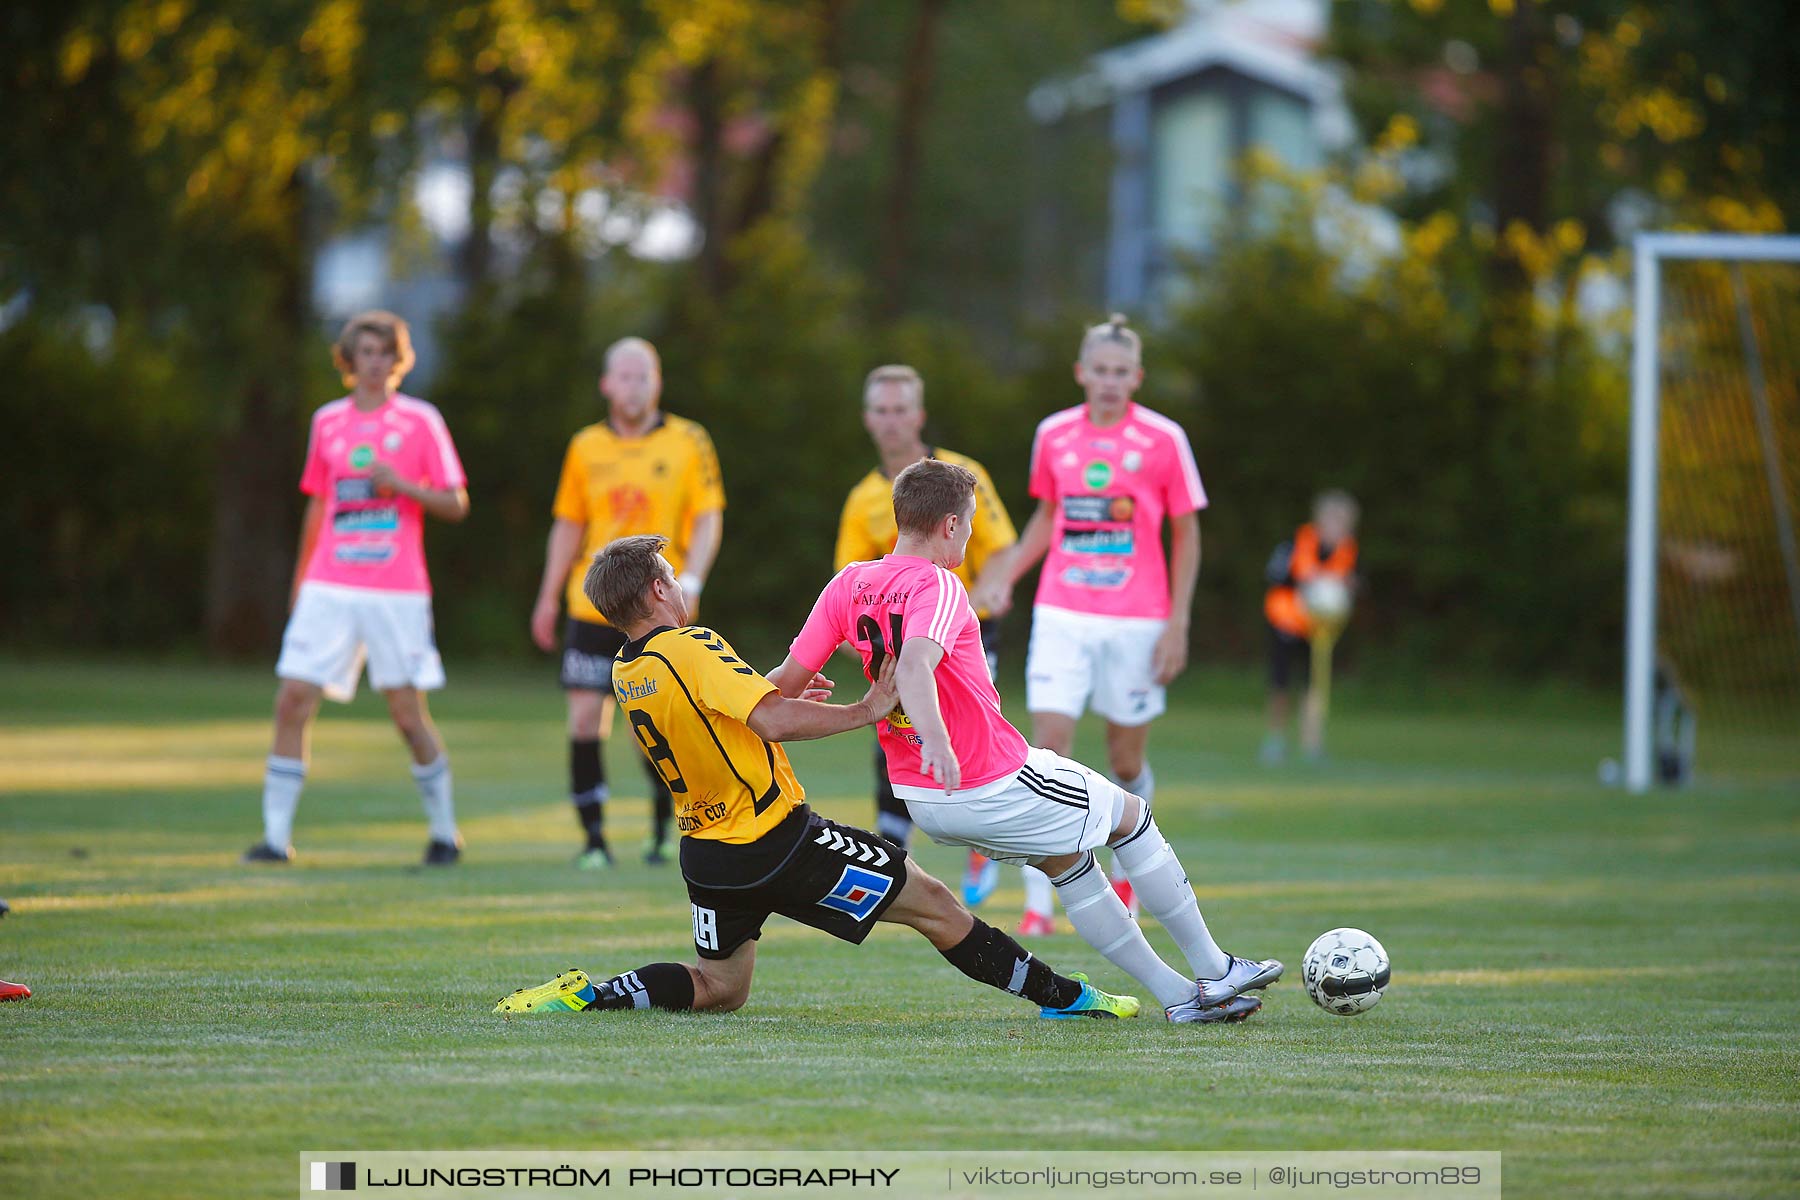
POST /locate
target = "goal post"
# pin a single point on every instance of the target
(1651, 252)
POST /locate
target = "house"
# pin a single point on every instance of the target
(1182, 108)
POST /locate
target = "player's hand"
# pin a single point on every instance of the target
(940, 763)
(994, 599)
(1170, 656)
(818, 688)
(386, 480)
(543, 624)
(883, 692)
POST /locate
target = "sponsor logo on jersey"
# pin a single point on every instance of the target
(353, 491)
(1099, 541)
(632, 689)
(392, 441)
(382, 519)
(1133, 461)
(898, 720)
(630, 507)
(1098, 510)
(364, 554)
(857, 892)
(1109, 579)
(883, 598)
(362, 457)
(1097, 474)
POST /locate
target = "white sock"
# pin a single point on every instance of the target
(1143, 787)
(1102, 921)
(1163, 890)
(1039, 898)
(282, 780)
(433, 779)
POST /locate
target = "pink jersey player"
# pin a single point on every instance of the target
(1110, 488)
(968, 777)
(370, 536)
(1110, 627)
(876, 606)
(377, 463)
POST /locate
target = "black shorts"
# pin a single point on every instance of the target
(588, 653)
(837, 878)
(1284, 651)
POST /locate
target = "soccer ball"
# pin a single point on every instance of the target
(1345, 971)
(1327, 599)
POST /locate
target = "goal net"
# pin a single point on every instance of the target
(1713, 582)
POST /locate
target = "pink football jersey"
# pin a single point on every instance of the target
(876, 606)
(368, 540)
(1109, 490)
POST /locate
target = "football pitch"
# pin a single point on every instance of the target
(1606, 989)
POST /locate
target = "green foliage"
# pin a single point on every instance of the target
(773, 370)
(987, 169)
(106, 499)
(1688, 103)
(1492, 518)
(183, 160)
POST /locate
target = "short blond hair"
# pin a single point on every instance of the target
(895, 373)
(618, 580)
(394, 333)
(1115, 330)
(928, 491)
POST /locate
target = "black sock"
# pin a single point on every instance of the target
(992, 957)
(591, 820)
(662, 805)
(892, 821)
(659, 985)
(587, 788)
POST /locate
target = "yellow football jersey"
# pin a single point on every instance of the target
(615, 487)
(866, 530)
(687, 696)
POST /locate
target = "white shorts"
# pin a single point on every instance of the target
(1052, 805)
(1083, 660)
(334, 628)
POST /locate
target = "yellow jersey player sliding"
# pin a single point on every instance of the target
(750, 845)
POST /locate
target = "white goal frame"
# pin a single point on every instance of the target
(1649, 252)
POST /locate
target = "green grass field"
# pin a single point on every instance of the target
(1605, 989)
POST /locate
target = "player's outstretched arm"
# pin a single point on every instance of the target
(992, 591)
(778, 718)
(917, 683)
(559, 555)
(446, 504)
(1170, 656)
(1032, 543)
(790, 678)
(309, 537)
(704, 536)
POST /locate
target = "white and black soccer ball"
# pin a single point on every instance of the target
(1345, 971)
(1326, 599)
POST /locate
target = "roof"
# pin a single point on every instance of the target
(1182, 52)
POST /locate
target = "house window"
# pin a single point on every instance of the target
(1192, 158)
(1282, 125)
